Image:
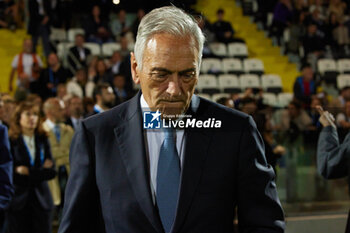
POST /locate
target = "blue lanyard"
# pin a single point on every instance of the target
(42, 157)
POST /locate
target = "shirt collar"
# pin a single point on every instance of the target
(50, 124)
(98, 109)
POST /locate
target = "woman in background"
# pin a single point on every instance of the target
(31, 207)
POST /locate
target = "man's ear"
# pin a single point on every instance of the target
(134, 69)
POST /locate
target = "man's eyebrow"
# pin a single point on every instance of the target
(161, 70)
(169, 71)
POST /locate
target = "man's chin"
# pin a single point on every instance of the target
(172, 109)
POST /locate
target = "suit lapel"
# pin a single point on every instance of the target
(131, 142)
(196, 150)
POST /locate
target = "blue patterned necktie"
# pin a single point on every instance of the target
(168, 180)
(57, 132)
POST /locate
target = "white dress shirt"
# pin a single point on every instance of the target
(153, 141)
(30, 143)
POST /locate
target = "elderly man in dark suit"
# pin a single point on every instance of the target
(6, 189)
(332, 157)
(127, 178)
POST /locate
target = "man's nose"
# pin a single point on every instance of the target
(174, 88)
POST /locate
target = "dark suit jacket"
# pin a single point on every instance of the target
(35, 18)
(6, 188)
(74, 52)
(109, 185)
(34, 184)
(333, 158)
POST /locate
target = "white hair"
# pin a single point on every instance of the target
(170, 20)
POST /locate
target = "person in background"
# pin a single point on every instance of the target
(96, 27)
(80, 86)
(75, 110)
(282, 17)
(332, 156)
(120, 25)
(223, 29)
(78, 55)
(39, 23)
(304, 86)
(102, 76)
(115, 63)
(27, 65)
(104, 98)
(9, 107)
(136, 23)
(6, 185)
(31, 207)
(61, 91)
(51, 77)
(337, 105)
(120, 92)
(60, 136)
(124, 47)
(313, 44)
(228, 102)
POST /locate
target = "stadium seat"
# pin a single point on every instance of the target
(232, 66)
(283, 99)
(208, 84)
(238, 50)
(211, 66)
(62, 49)
(109, 48)
(270, 99)
(344, 66)
(229, 83)
(271, 83)
(343, 80)
(74, 31)
(249, 81)
(253, 66)
(58, 34)
(328, 70)
(94, 48)
(218, 49)
(216, 97)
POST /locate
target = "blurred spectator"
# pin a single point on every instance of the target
(205, 26)
(343, 118)
(8, 14)
(88, 104)
(297, 31)
(313, 45)
(31, 207)
(315, 18)
(273, 151)
(49, 79)
(39, 23)
(318, 5)
(115, 63)
(103, 97)
(248, 105)
(341, 37)
(337, 7)
(223, 29)
(6, 184)
(78, 54)
(96, 28)
(314, 114)
(136, 23)
(27, 65)
(282, 17)
(120, 25)
(228, 102)
(304, 86)
(102, 76)
(61, 91)
(331, 25)
(92, 67)
(124, 47)
(35, 99)
(120, 92)
(60, 136)
(9, 107)
(80, 86)
(75, 111)
(337, 105)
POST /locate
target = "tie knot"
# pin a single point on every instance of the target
(169, 133)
